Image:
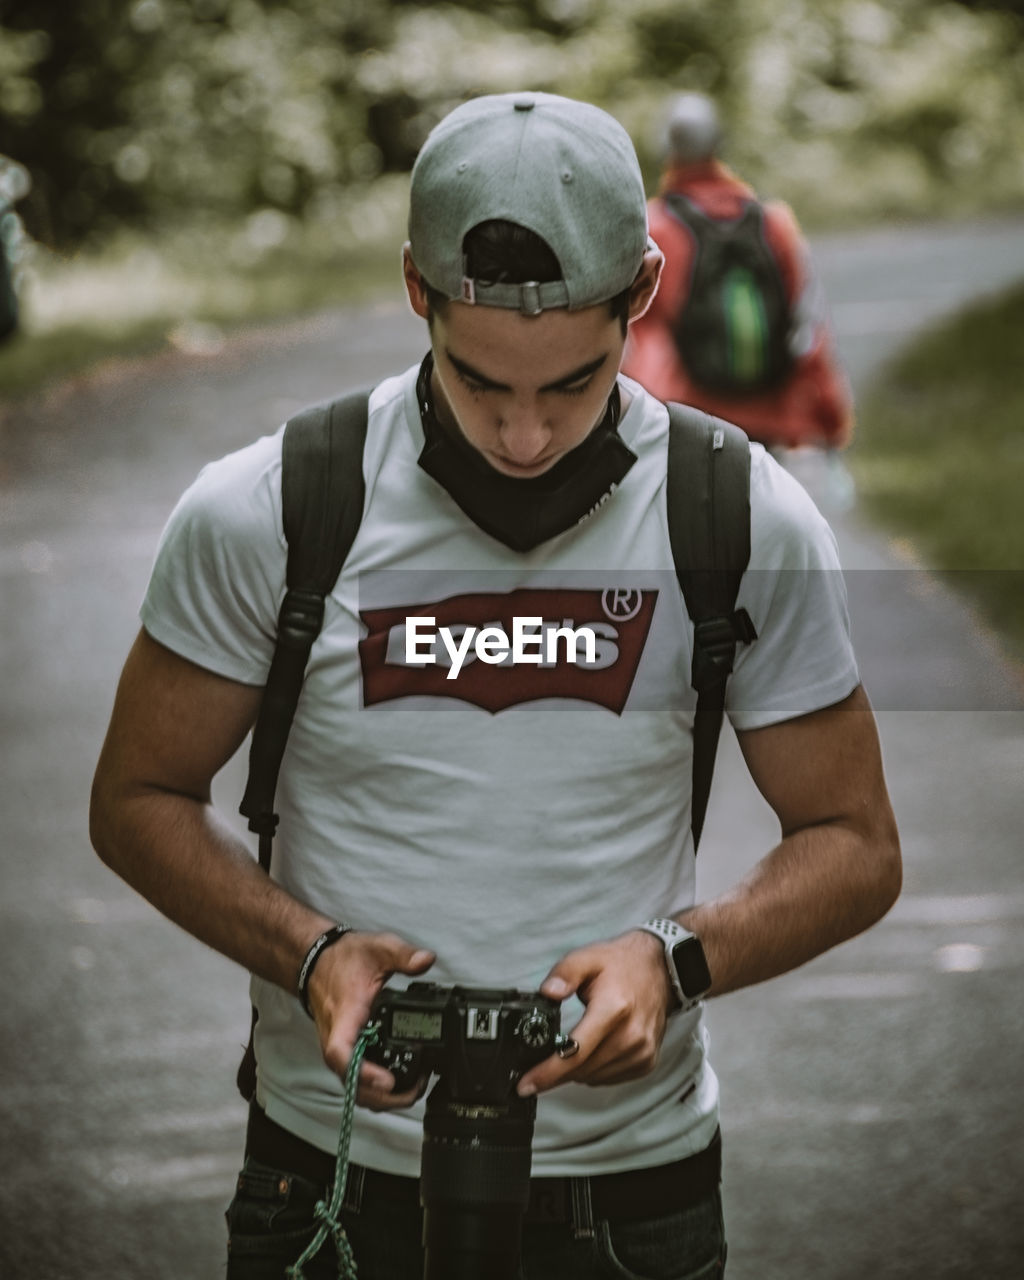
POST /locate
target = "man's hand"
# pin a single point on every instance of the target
(174, 726)
(345, 981)
(625, 987)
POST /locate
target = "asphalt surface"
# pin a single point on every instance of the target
(872, 1100)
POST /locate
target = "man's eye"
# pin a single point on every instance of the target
(577, 388)
(472, 384)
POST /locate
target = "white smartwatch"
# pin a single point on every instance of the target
(685, 960)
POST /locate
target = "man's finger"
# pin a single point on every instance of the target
(568, 975)
(559, 1067)
(378, 1096)
(419, 961)
(374, 1077)
(392, 954)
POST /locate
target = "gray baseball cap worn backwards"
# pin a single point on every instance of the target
(563, 169)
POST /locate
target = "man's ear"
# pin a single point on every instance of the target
(415, 285)
(645, 286)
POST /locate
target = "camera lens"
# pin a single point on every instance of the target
(475, 1185)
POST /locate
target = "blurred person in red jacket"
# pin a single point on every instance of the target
(810, 402)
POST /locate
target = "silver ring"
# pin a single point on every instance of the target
(569, 1048)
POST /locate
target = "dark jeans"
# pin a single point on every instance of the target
(270, 1222)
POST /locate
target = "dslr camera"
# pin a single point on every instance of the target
(477, 1131)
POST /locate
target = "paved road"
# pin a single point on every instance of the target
(872, 1100)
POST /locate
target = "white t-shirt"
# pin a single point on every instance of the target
(504, 817)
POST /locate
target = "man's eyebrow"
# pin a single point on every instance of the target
(474, 375)
(576, 375)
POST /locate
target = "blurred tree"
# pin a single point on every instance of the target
(1012, 10)
(64, 69)
(675, 40)
(146, 113)
(1006, 6)
(133, 110)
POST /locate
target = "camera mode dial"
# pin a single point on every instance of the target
(534, 1029)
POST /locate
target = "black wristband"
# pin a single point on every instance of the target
(326, 939)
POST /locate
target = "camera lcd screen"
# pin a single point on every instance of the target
(415, 1024)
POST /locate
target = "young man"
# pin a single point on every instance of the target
(515, 826)
(812, 404)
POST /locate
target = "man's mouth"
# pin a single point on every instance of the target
(524, 469)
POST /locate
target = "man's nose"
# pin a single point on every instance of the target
(524, 433)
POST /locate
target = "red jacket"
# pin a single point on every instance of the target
(813, 405)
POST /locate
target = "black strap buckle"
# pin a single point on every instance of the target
(301, 617)
(714, 649)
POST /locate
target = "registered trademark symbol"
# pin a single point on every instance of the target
(621, 603)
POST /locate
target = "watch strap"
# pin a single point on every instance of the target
(671, 933)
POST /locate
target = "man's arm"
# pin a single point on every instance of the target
(835, 871)
(173, 727)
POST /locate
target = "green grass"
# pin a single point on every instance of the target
(136, 295)
(940, 454)
(30, 362)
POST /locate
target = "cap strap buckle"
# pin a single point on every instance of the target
(529, 298)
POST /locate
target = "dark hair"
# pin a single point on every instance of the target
(500, 252)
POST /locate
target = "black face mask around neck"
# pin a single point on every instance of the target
(523, 513)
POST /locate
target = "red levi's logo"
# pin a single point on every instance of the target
(584, 645)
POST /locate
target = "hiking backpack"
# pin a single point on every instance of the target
(322, 492)
(732, 331)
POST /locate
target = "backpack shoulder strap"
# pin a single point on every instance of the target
(698, 219)
(691, 215)
(322, 494)
(708, 502)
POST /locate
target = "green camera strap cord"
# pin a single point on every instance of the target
(326, 1213)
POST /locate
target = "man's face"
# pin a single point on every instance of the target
(526, 390)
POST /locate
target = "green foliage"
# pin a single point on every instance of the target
(152, 112)
(670, 37)
(940, 453)
(178, 109)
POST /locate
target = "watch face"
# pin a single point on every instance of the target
(691, 967)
